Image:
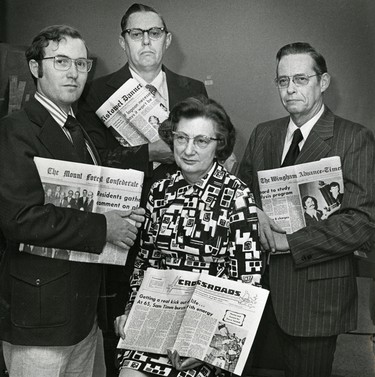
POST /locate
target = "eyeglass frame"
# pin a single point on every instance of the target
(88, 61)
(292, 78)
(161, 28)
(194, 138)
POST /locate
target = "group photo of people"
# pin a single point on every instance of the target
(240, 98)
(70, 197)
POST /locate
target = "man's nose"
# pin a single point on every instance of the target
(145, 38)
(291, 86)
(73, 71)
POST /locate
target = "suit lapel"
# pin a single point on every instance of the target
(274, 148)
(92, 146)
(55, 140)
(317, 145)
(51, 135)
(177, 87)
(120, 77)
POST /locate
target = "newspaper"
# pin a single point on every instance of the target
(198, 315)
(134, 114)
(88, 188)
(298, 195)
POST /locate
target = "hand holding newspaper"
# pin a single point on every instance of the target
(198, 315)
(90, 188)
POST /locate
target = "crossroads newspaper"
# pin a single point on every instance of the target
(89, 188)
(295, 196)
(202, 316)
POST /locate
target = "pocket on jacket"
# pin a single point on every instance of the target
(40, 300)
(335, 268)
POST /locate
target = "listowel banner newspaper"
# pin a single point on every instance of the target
(133, 113)
(296, 196)
(198, 315)
(88, 188)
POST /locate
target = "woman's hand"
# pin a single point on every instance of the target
(185, 364)
(119, 324)
(281, 242)
(268, 232)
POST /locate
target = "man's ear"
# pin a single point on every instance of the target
(168, 40)
(121, 41)
(36, 68)
(325, 81)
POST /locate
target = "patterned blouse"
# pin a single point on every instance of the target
(209, 227)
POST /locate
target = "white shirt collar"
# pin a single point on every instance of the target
(57, 113)
(305, 129)
(159, 82)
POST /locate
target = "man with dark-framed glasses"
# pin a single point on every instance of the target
(50, 308)
(312, 276)
(145, 39)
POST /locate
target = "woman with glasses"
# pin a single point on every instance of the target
(202, 218)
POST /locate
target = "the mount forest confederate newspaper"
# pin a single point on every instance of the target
(90, 188)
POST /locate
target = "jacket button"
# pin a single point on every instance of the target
(37, 281)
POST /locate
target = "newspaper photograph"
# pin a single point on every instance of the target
(134, 114)
(299, 195)
(198, 315)
(90, 188)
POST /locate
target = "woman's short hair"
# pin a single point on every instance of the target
(334, 184)
(203, 107)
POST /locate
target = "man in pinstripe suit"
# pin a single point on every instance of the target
(312, 282)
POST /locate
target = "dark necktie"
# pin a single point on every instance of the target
(152, 89)
(293, 151)
(78, 139)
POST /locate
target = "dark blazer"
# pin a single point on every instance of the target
(311, 219)
(82, 202)
(89, 205)
(314, 289)
(44, 302)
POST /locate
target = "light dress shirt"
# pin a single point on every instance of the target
(305, 129)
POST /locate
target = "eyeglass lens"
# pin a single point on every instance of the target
(64, 63)
(153, 33)
(200, 141)
(299, 80)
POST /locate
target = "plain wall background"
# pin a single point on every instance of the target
(233, 43)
